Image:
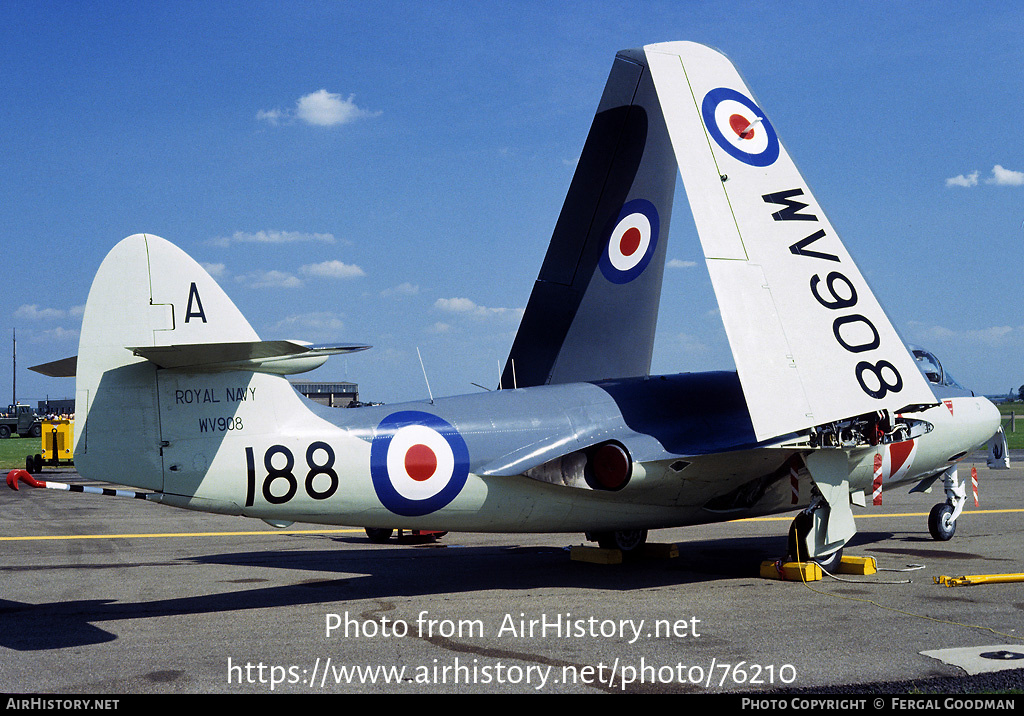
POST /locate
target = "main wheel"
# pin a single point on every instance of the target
(380, 535)
(829, 562)
(940, 522)
(624, 540)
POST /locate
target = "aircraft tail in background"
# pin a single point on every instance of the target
(594, 306)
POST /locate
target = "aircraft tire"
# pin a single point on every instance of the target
(939, 522)
(379, 535)
(623, 540)
(829, 562)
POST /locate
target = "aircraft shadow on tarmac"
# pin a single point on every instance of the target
(329, 576)
(355, 572)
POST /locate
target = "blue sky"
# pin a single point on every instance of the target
(390, 173)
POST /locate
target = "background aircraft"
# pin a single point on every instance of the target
(176, 394)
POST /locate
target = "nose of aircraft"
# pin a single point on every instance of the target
(982, 422)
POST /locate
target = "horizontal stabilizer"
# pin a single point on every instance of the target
(278, 357)
(63, 368)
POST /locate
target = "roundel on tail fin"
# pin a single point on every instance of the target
(631, 241)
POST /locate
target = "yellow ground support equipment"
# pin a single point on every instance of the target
(970, 579)
(58, 441)
(811, 572)
(791, 571)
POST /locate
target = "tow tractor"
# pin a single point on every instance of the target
(20, 419)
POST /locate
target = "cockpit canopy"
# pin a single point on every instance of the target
(932, 369)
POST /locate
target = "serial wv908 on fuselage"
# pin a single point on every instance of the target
(177, 395)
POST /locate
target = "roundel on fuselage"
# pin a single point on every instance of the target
(418, 463)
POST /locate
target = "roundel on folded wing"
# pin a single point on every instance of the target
(631, 242)
(418, 463)
(740, 127)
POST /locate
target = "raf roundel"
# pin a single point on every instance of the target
(418, 463)
(631, 242)
(739, 127)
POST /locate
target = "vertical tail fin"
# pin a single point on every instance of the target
(145, 291)
(594, 306)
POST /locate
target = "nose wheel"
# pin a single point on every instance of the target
(941, 522)
(942, 518)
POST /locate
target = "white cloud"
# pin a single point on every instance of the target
(33, 312)
(271, 116)
(456, 305)
(320, 109)
(213, 269)
(1000, 177)
(690, 344)
(402, 289)
(332, 269)
(928, 333)
(1005, 177)
(53, 335)
(326, 109)
(679, 263)
(271, 237)
(466, 307)
(322, 325)
(961, 180)
(991, 336)
(269, 279)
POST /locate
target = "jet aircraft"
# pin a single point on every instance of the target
(177, 395)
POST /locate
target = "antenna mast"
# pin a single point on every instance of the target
(425, 379)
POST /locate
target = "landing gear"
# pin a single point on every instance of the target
(800, 538)
(941, 523)
(379, 535)
(942, 518)
(382, 535)
(623, 540)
